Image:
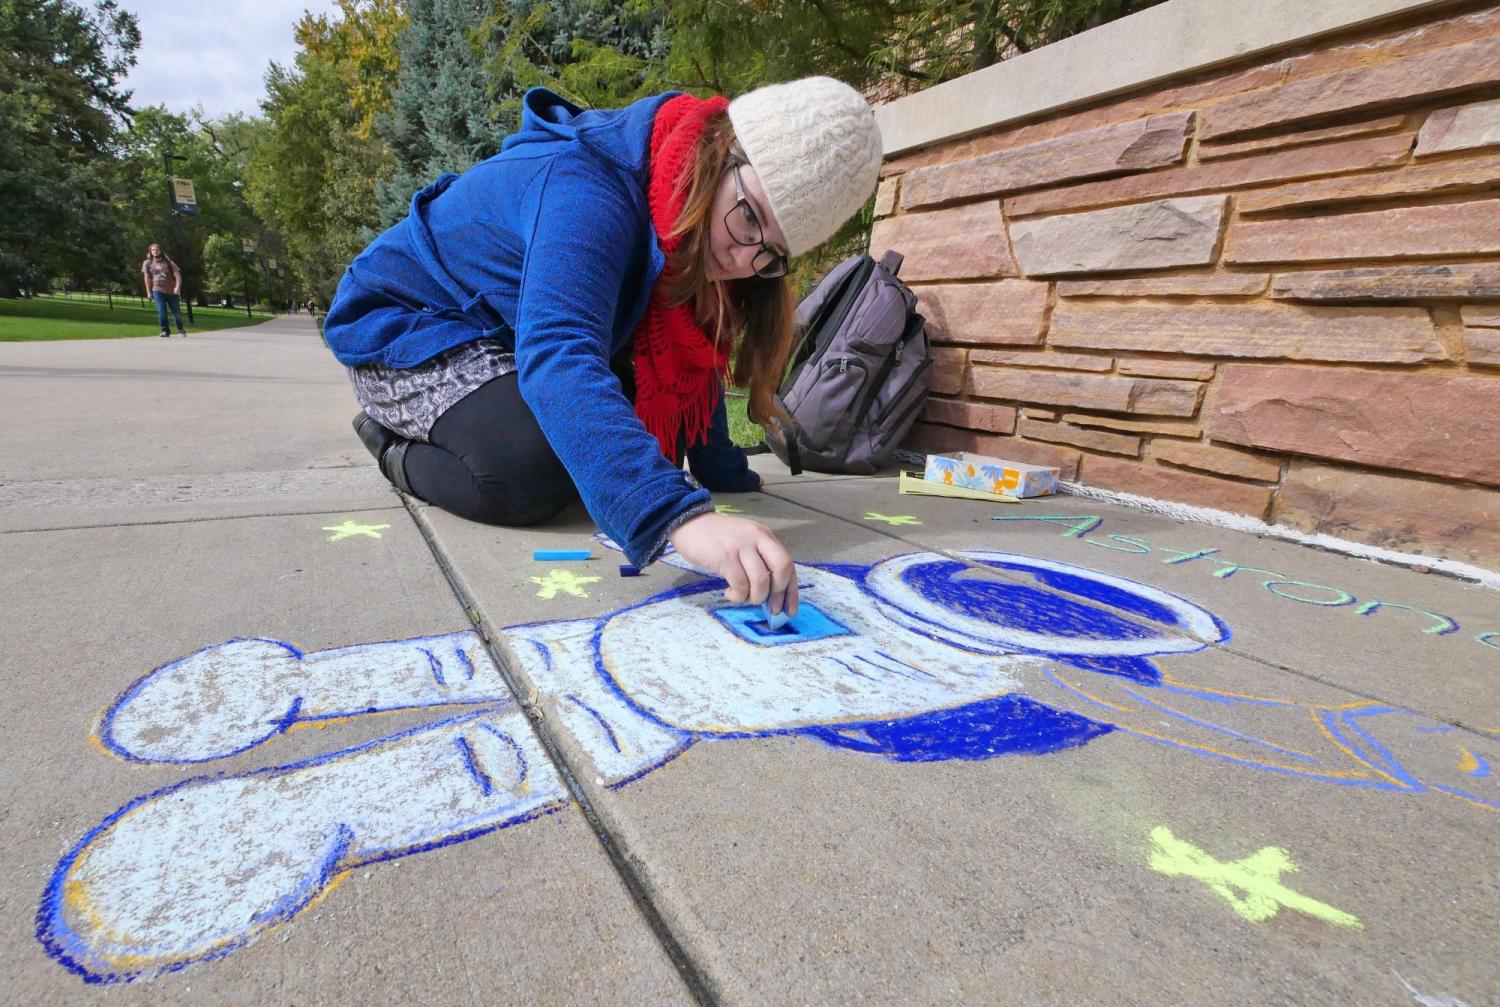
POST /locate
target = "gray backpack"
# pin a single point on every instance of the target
(860, 374)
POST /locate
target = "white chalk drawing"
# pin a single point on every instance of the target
(917, 658)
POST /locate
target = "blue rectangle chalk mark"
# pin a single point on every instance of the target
(749, 624)
(562, 554)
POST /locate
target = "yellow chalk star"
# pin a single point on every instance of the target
(349, 529)
(727, 509)
(562, 580)
(898, 520)
(1258, 876)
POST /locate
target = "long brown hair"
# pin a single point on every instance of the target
(763, 312)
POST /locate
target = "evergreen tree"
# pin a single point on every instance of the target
(439, 119)
(465, 66)
(595, 53)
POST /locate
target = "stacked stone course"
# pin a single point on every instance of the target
(1273, 289)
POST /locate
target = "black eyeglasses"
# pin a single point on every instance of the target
(744, 227)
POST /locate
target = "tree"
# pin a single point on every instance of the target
(215, 155)
(466, 64)
(937, 40)
(362, 45)
(439, 119)
(595, 53)
(60, 110)
(888, 46)
(312, 173)
(386, 95)
(291, 168)
(225, 271)
(730, 48)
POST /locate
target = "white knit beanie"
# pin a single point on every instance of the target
(816, 148)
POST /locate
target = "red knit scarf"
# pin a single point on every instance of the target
(677, 366)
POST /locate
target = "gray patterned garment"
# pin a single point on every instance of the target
(410, 400)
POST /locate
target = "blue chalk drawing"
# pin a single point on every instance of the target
(749, 623)
(916, 658)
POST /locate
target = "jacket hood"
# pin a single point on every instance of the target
(622, 135)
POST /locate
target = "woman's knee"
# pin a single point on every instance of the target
(500, 507)
(526, 495)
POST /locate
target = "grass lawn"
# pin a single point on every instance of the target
(86, 316)
(741, 430)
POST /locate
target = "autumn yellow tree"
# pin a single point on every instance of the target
(313, 174)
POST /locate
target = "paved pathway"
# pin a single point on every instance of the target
(277, 736)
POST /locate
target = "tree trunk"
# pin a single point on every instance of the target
(986, 36)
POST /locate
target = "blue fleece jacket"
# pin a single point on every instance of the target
(548, 247)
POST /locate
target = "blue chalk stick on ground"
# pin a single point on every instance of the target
(774, 621)
(556, 554)
(628, 570)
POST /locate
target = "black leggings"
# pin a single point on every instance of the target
(488, 461)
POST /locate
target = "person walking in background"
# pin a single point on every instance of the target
(163, 279)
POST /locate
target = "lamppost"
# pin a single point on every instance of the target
(180, 200)
(280, 282)
(247, 255)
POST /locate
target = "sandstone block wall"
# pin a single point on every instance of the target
(1273, 289)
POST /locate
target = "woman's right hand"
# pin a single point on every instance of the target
(752, 560)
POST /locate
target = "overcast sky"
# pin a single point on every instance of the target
(212, 52)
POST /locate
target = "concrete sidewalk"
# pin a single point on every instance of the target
(277, 735)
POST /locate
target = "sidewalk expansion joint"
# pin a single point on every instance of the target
(692, 976)
(201, 520)
(1226, 648)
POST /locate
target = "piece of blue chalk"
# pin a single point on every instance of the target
(774, 621)
(559, 554)
(629, 570)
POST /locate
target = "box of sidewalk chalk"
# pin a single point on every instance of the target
(993, 475)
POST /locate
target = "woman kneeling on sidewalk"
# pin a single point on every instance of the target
(563, 314)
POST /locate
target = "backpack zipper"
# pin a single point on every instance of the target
(913, 328)
(896, 399)
(830, 322)
(911, 408)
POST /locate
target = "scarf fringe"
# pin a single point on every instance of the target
(694, 415)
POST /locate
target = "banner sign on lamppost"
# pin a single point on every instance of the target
(184, 199)
(247, 249)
